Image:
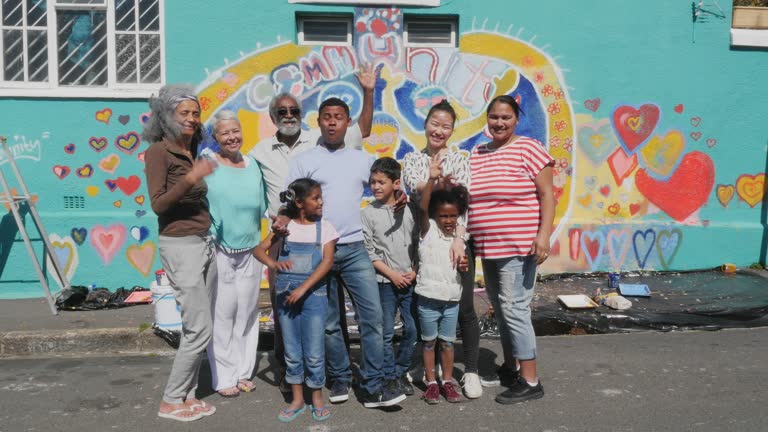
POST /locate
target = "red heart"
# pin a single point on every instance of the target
(686, 191)
(574, 237)
(679, 108)
(605, 190)
(634, 126)
(696, 135)
(592, 104)
(634, 208)
(128, 185)
(61, 171)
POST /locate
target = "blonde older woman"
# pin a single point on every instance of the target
(237, 199)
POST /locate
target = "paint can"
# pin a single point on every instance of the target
(728, 268)
(167, 311)
(613, 280)
(161, 277)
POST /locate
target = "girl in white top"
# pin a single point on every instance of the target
(438, 283)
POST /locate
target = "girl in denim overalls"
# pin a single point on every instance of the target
(305, 258)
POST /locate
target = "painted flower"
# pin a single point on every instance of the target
(560, 125)
(554, 141)
(568, 144)
(539, 77)
(559, 94)
(205, 103)
(547, 90)
(553, 108)
(222, 94)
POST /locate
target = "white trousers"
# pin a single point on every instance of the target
(232, 351)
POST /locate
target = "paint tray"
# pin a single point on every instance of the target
(634, 290)
(139, 297)
(577, 301)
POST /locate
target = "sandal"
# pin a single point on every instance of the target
(245, 386)
(174, 415)
(320, 414)
(288, 415)
(229, 392)
(203, 408)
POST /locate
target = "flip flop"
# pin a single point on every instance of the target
(287, 416)
(174, 415)
(245, 387)
(317, 413)
(229, 395)
(207, 409)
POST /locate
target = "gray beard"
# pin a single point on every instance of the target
(289, 130)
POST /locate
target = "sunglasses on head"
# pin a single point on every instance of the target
(293, 110)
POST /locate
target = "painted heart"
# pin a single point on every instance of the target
(751, 188)
(144, 118)
(139, 199)
(141, 257)
(585, 200)
(593, 243)
(118, 203)
(711, 142)
(685, 191)
(679, 108)
(634, 208)
(574, 243)
(618, 246)
(600, 205)
(84, 171)
(124, 119)
(111, 185)
(635, 125)
(667, 245)
(695, 121)
(590, 182)
(128, 185)
(79, 235)
(621, 165)
(623, 197)
(597, 140)
(98, 144)
(696, 135)
(107, 241)
(140, 213)
(660, 156)
(140, 156)
(139, 233)
(69, 148)
(642, 243)
(110, 163)
(592, 104)
(92, 191)
(104, 115)
(614, 208)
(61, 171)
(725, 194)
(605, 190)
(128, 143)
(66, 256)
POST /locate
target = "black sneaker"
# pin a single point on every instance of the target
(520, 391)
(339, 392)
(405, 386)
(503, 376)
(383, 398)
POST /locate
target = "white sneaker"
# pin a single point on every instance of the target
(471, 384)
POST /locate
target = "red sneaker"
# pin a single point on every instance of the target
(450, 393)
(432, 395)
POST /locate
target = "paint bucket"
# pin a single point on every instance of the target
(167, 311)
(613, 280)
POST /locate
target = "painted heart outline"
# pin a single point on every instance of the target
(634, 126)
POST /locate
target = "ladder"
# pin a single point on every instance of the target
(15, 202)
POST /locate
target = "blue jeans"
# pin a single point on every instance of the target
(392, 299)
(352, 266)
(438, 319)
(301, 325)
(510, 283)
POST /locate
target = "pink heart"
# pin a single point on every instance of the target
(621, 165)
(61, 171)
(107, 241)
(592, 104)
(711, 142)
(695, 121)
(141, 257)
(696, 135)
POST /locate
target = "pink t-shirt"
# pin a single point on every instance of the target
(308, 233)
(504, 208)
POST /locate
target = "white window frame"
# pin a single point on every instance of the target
(302, 17)
(452, 20)
(429, 3)
(113, 89)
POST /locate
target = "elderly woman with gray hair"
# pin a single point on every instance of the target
(177, 192)
(238, 200)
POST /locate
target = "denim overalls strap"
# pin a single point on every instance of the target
(305, 257)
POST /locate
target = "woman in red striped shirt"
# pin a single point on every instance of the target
(511, 212)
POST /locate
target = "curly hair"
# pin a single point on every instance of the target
(298, 190)
(161, 123)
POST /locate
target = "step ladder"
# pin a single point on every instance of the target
(15, 202)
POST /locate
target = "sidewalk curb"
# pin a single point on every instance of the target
(102, 341)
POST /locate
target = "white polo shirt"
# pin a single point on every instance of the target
(274, 158)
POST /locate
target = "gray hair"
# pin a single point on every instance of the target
(273, 104)
(161, 123)
(220, 117)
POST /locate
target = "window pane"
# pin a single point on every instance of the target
(36, 13)
(149, 48)
(149, 15)
(13, 55)
(82, 2)
(125, 15)
(13, 14)
(82, 44)
(429, 32)
(126, 58)
(38, 55)
(325, 31)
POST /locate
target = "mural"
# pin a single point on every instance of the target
(632, 176)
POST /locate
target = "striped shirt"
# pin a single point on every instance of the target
(503, 206)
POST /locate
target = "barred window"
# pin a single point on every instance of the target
(81, 47)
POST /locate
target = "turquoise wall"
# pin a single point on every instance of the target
(657, 125)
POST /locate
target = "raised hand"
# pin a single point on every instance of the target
(366, 76)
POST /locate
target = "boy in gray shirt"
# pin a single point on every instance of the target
(391, 239)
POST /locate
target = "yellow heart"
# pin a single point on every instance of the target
(139, 200)
(104, 115)
(92, 191)
(64, 245)
(751, 188)
(725, 194)
(109, 163)
(596, 140)
(585, 200)
(661, 155)
(634, 123)
(118, 203)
